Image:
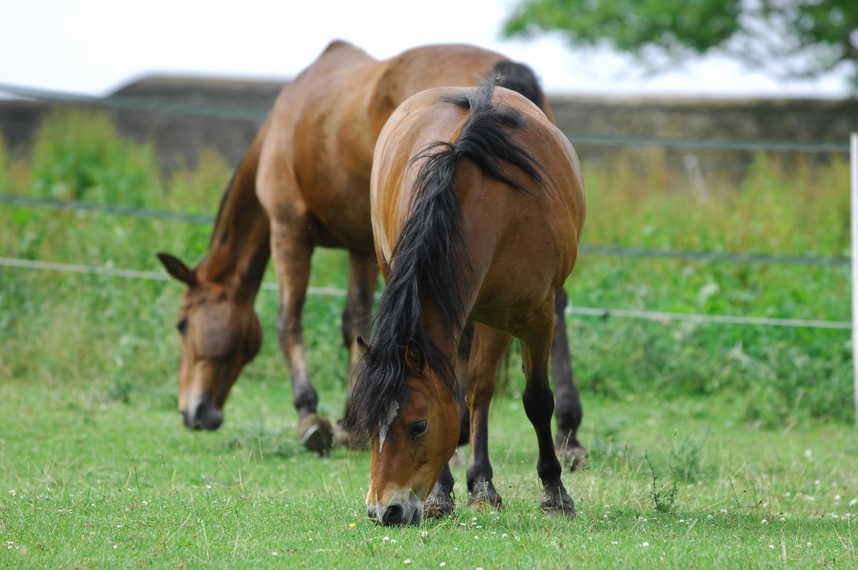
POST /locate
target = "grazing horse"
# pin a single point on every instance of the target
(477, 210)
(304, 182)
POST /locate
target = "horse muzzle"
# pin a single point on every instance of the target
(202, 414)
(403, 508)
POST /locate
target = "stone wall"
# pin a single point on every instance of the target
(179, 136)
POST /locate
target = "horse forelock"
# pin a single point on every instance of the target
(384, 426)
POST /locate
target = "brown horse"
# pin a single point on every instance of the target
(304, 182)
(477, 210)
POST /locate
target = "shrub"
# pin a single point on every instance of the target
(79, 155)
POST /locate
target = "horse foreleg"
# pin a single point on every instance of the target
(488, 347)
(357, 317)
(568, 402)
(463, 355)
(291, 253)
(440, 502)
(539, 405)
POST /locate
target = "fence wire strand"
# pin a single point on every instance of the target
(601, 312)
(589, 249)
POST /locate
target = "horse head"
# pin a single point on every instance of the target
(220, 333)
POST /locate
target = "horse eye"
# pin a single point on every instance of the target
(182, 325)
(418, 428)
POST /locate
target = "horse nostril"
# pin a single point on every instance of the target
(205, 416)
(213, 420)
(392, 515)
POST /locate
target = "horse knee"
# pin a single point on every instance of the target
(538, 405)
(289, 328)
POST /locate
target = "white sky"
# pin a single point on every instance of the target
(93, 46)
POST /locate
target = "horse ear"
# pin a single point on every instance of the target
(176, 268)
(363, 347)
(414, 357)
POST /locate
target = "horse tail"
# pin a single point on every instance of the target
(520, 78)
(429, 261)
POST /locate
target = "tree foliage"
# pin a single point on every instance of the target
(786, 38)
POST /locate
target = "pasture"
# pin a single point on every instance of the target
(711, 445)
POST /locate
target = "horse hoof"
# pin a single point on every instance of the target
(344, 438)
(558, 501)
(482, 495)
(316, 434)
(573, 458)
(438, 506)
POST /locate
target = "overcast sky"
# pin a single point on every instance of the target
(93, 46)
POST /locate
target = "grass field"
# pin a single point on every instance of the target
(711, 446)
(92, 482)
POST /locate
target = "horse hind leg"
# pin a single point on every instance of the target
(292, 255)
(539, 406)
(488, 348)
(568, 402)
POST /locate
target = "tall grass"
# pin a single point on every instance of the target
(118, 333)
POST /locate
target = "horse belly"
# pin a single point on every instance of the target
(341, 211)
(518, 268)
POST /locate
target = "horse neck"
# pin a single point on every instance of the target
(240, 243)
(445, 338)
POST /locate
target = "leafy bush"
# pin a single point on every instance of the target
(199, 189)
(770, 376)
(79, 155)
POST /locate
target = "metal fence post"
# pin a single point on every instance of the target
(853, 167)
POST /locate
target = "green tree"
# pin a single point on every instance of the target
(785, 38)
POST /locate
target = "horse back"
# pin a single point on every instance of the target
(448, 65)
(521, 244)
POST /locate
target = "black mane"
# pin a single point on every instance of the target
(519, 77)
(429, 262)
(222, 206)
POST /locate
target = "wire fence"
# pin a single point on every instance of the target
(155, 105)
(600, 312)
(589, 249)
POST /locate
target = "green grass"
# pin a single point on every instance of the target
(746, 424)
(90, 482)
